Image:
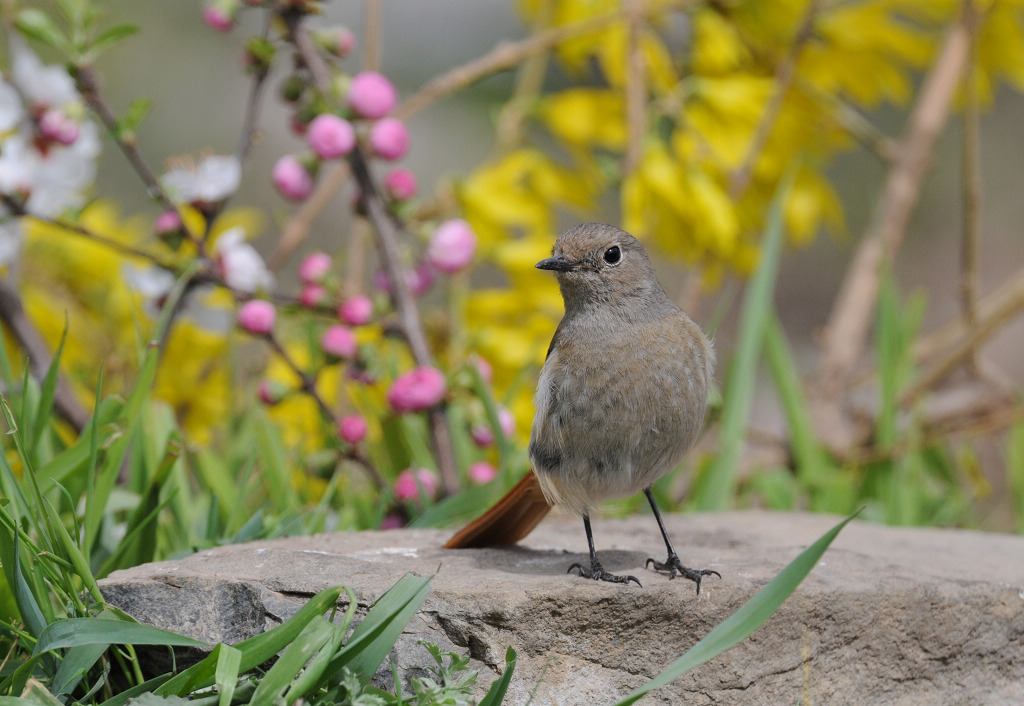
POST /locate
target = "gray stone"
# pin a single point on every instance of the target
(890, 615)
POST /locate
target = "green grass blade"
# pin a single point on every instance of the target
(107, 630)
(317, 667)
(26, 600)
(227, 673)
(374, 637)
(750, 616)
(716, 485)
(74, 665)
(496, 694)
(255, 650)
(44, 410)
(286, 669)
(1015, 472)
(811, 461)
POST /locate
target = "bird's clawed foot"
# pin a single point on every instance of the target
(597, 572)
(674, 567)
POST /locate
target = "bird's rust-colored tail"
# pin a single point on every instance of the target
(508, 520)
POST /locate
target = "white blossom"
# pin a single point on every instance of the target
(241, 266)
(212, 180)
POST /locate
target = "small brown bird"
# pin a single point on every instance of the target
(620, 399)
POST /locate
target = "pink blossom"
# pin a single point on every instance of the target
(352, 428)
(409, 481)
(389, 139)
(371, 95)
(356, 311)
(314, 267)
(292, 179)
(218, 18)
(313, 295)
(167, 222)
(507, 421)
(58, 126)
(418, 389)
(486, 371)
(271, 392)
(339, 342)
(337, 40)
(400, 184)
(482, 472)
(482, 435)
(257, 316)
(392, 522)
(330, 136)
(451, 246)
(419, 280)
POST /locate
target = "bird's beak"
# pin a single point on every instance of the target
(558, 263)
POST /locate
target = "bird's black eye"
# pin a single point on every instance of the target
(612, 255)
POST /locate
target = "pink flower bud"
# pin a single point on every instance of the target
(418, 389)
(352, 428)
(389, 139)
(451, 246)
(507, 421)
(292, 179)
(482, 435)
(339, 342)
(218, 18)
(419, 280)
(271, 392)
(167, 222)
(337, 40)
(486, 371)
(400, 184)
(314, 267)
(482, 472)
(257, 316)
(330, 136)
(371, 95)
(392, 521)
(57, 126)
(409, 481)
(356, 311)
(313, 295)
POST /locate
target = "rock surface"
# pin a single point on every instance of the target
(905, 616)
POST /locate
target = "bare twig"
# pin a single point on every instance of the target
(971, 236)
(308, 385)
(783, 79)
(89, 88)
(39, 357)
(506, 54)
(993, 312)
(371, 35)
(636, 87)
(851, 313)
(259, 81)
(297, 229)
(389, 245)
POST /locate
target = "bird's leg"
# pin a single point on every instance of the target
(596, 571)
(672, 564)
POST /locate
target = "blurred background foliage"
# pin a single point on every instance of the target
(677, 120)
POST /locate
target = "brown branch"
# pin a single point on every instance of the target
(371, 35)
(308, 385)
(390, 248)
(851, 314)
(507, 54)
(88, 86)
(971, 236)
(636, 87)
(783, 78)
(296, 230)
(12, 313)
